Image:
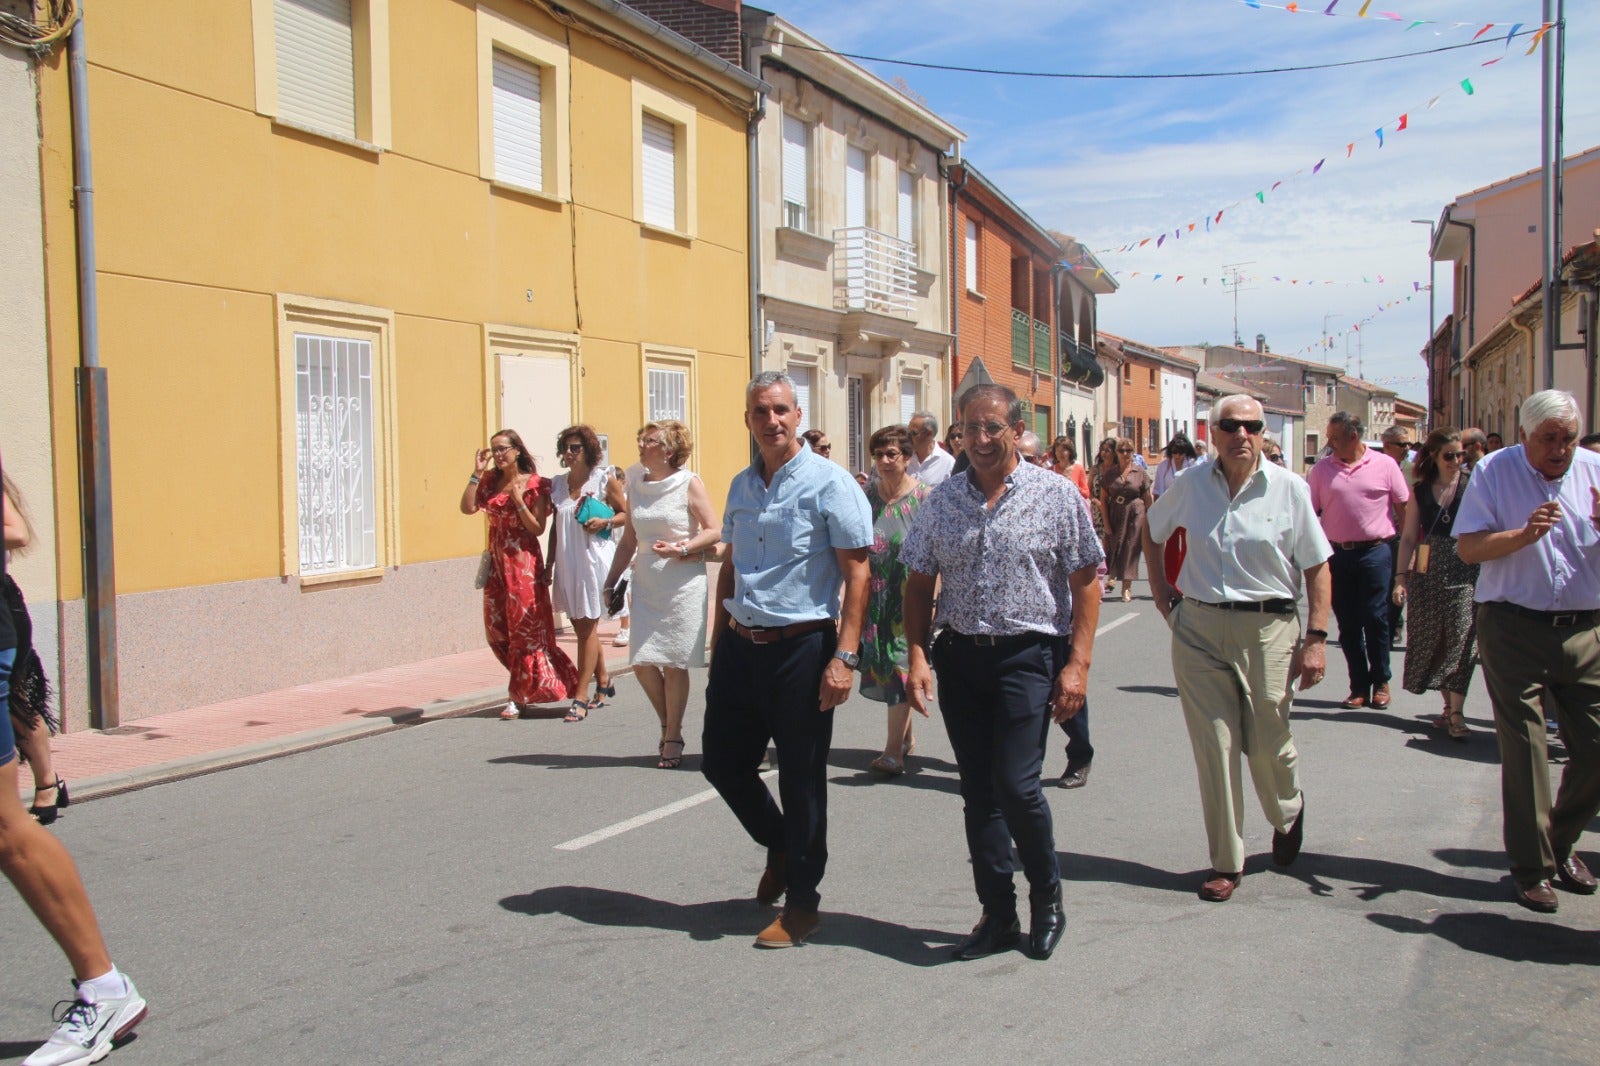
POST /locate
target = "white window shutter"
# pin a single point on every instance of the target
(856, 393)
(972, 255)
(855, 188)
(801, 376)
(796, 172)
(660, 177)
(905, 207)
(518, 122)
(315, 45)
(908, 401)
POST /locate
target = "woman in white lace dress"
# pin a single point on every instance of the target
(580, 556)
(671, 531)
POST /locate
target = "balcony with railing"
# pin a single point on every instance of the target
(876, 283)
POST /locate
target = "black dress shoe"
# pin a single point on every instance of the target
(1538, 896)
(1286, 845)
(1075, 778)
(1575, 876)
(1049, 924)
(993, 934)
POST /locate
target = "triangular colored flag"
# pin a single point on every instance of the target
(1219, 214)
(1275, 186)
(1539, 37)
(1379, 132)
(1319, 165)
(1363, 12)
(1156, 277)
(1432, 103)
(1349, 150)
(1191, 227)
(1178, 278)
(1402, 125)
(1160, 240)
(1466, 83)
(1483, 31)
(1261, 196)
(1144, 242)
(1291, 7)
(1515, 26)
(1331, 6)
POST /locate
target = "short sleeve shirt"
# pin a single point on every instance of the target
(1250, 547)
(935, 469)
(784, 536)
(1006, 570)
(1355, 500)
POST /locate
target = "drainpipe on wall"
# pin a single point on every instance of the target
(753, 225)
(955, 283)
(94, 419)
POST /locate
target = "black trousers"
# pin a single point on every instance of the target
(1362, 579)
(1080, 752)
(996, 706)
(771, 692)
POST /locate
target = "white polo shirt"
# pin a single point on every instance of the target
(1249, 548)
(1561, 570)
(934, 469)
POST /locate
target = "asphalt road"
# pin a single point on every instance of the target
(407, 898)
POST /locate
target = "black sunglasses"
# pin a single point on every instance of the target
(1251, 426)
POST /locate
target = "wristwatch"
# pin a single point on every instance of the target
(849, 658)
(1323, 633)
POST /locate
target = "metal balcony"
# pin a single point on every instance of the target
(874, 272)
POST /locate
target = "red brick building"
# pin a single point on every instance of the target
(1003, 296)
(1141, 392)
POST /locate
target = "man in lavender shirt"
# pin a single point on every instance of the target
(1355, 491)
(1531, 520)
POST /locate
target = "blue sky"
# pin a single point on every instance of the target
(1115, 161)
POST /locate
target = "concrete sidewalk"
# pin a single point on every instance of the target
(196, 740)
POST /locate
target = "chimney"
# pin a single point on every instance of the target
(1261, 343)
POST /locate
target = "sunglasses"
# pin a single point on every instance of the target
(1251, 426)
(573, 446)
(822, 449)
(1452, 457)
(887, 453)
(1124, 451)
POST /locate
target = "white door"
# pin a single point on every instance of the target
(536, 401)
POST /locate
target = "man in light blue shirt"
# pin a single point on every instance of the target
(1531, 520)
(799, 528)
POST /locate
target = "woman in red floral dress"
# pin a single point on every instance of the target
(516, 603)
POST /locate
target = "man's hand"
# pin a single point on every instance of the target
(836, 680)
(1543, 520)
(1069, 691)
(919, 685)
(1310, 663)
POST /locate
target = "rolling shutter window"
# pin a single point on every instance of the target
(908, 401)
(855, 391)
(316, 64)
(855, 188)
(796, 173)
(972, 255)
(801, 376)
(660, 177)
(518, 122)
(905, 208)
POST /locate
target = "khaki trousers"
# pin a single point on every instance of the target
(1524, 662)
(1233, 680)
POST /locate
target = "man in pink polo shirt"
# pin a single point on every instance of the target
(1354, 492)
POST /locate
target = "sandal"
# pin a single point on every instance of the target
(1442, 721)
(672, 760)
(601, 694)
(577, 712)
(510, 712)
(1458, 727)
(888, 765)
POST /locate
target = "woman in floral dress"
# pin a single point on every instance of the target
(516, 601)
(894, 498)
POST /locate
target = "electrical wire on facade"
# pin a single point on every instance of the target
(40, 37)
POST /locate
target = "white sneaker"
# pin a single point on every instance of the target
(620, 640)
(511, 713)
(89, 1026)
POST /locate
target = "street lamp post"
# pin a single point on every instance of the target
(1325, 334)
(1428, 348)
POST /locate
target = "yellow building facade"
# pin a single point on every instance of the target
(316, 303)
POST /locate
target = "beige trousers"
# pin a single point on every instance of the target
(1233, 680)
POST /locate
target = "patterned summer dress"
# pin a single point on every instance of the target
(1441, 627)
(885, 657)
(516, 604)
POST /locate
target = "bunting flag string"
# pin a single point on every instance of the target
(1227, 280)
(1365, 12)
(1403, 122)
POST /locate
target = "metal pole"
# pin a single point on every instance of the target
(1550, 185)
(1428, 347)
(1325, 334)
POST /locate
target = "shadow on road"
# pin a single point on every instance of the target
(929, 774)
(1102, 868)
(1169, 691)
(716, 919)
(1420, 734)
(1504, 936)
(1377, 878)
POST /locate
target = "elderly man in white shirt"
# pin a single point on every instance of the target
(930, 464)
(1531, 519)
(1237, 647)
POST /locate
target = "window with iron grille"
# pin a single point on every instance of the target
(334, 454)
(669, 394)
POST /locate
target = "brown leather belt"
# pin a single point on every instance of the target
(1356, 545)
(773, 634)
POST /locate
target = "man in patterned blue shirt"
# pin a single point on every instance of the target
(799, 527)
(1017, 554)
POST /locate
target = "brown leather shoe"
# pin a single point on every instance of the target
(1219, 888)
(1538, 896)
(1574, 876)
(1380, 698)
(1353, 701)
(774, 879)
(789, 929)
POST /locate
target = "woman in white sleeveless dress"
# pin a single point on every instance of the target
(671, 531)
(580, 556)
